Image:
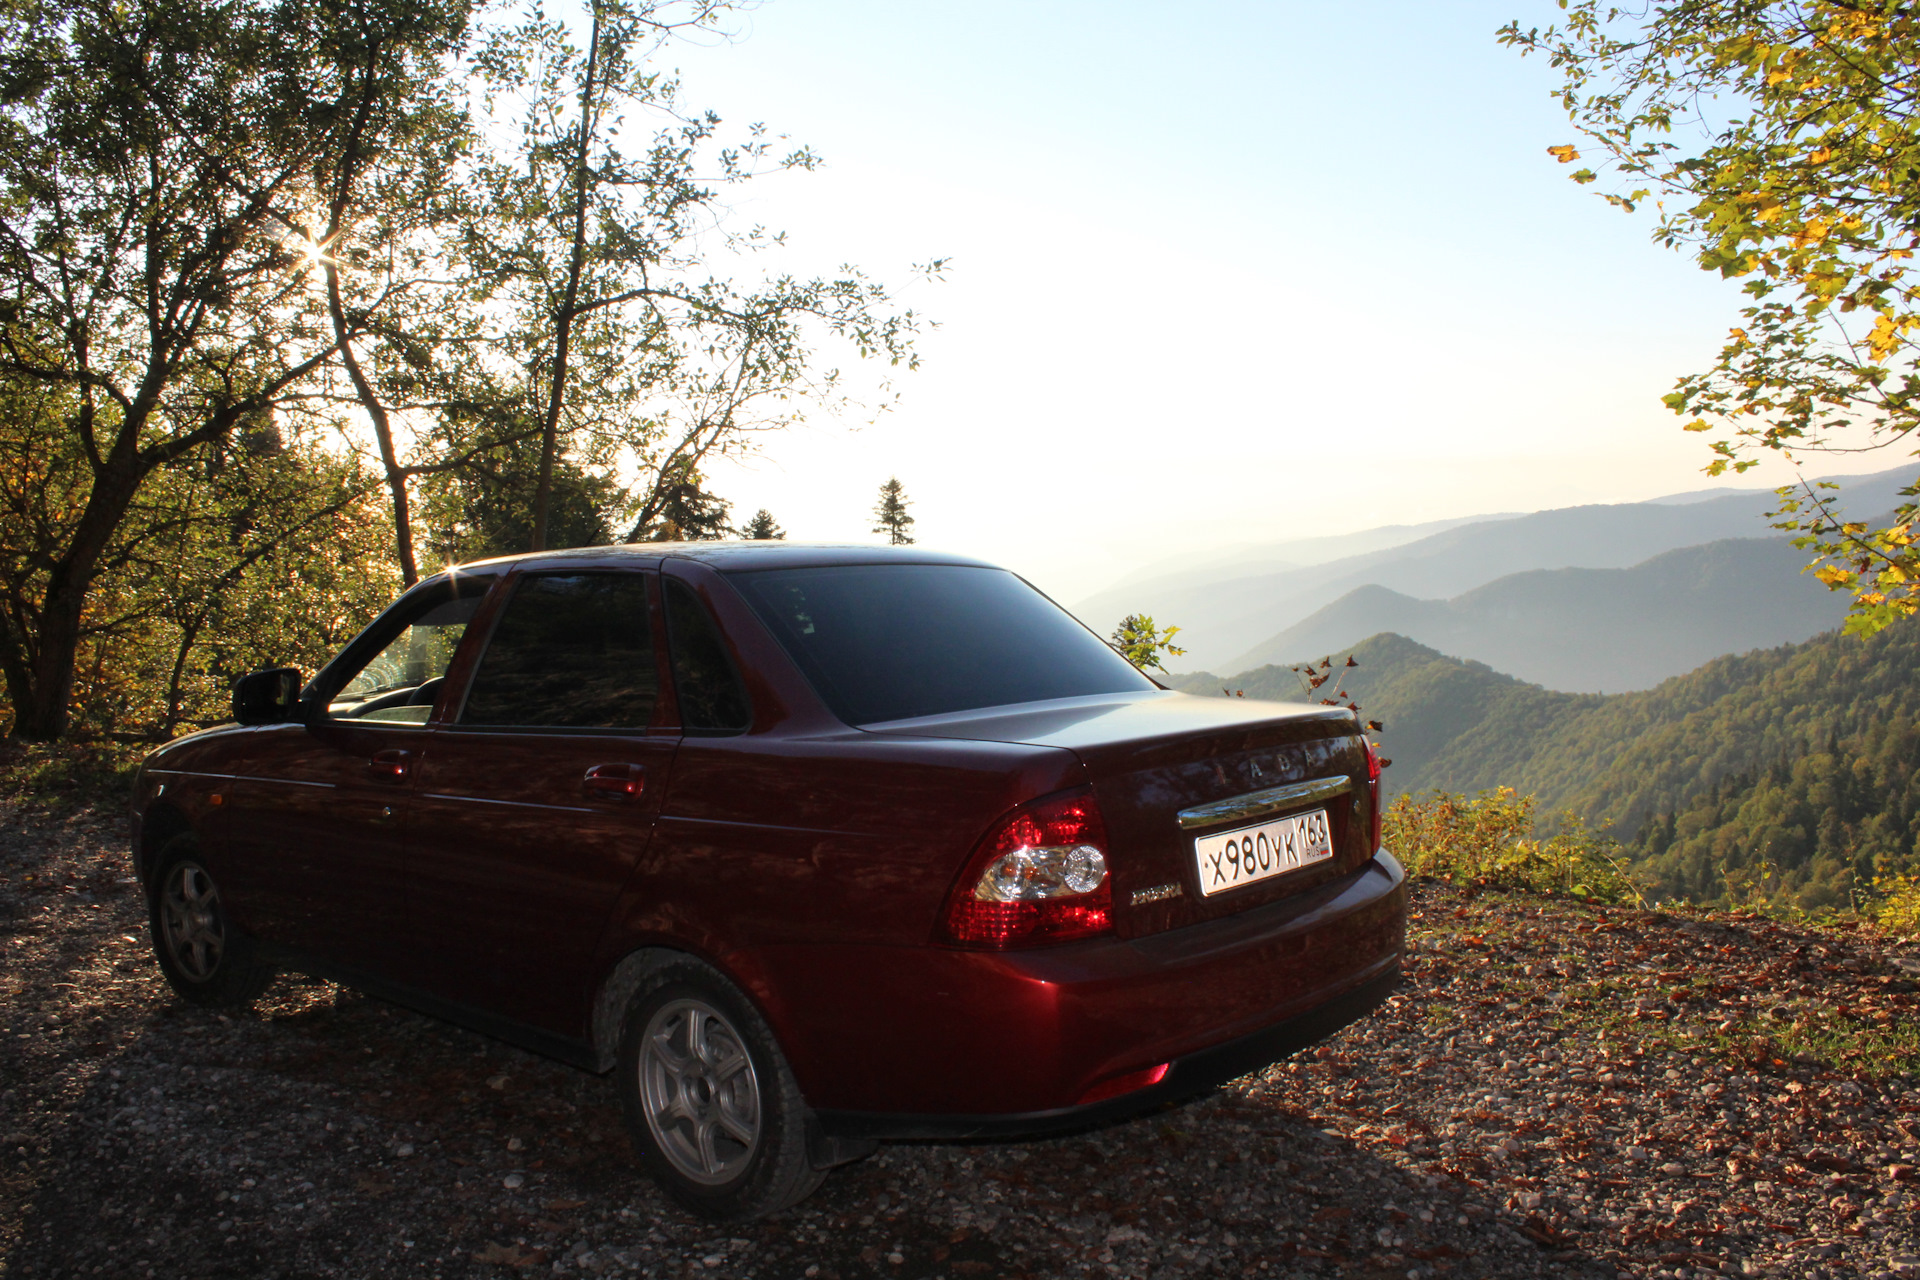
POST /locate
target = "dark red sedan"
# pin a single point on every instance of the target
(810, 846)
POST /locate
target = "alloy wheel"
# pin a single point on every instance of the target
(190, 921)
(699, 1092)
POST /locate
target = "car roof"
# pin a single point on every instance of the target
(730, 556)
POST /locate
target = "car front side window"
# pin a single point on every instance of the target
(402, 680)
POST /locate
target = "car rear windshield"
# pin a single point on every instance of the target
(888, 642)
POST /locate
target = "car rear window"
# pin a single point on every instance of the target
(888, 642)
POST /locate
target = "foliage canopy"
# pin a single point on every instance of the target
(1781, 142)
(482, 250)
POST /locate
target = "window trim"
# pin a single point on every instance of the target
(697, 597)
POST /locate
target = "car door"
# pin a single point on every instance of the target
(318, 811)
(537, 798)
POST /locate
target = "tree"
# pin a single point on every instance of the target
(153, 159)
(1144, 645)
(891, 512)
(683, 511)
(391, 216)
(599, 232)
(763, 527)
(1780, 139)
(484, 506)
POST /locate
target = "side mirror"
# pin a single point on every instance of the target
(267, 697)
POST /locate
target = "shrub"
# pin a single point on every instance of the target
(1493, 838)
(1897, 910)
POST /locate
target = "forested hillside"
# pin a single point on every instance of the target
(1788, 772)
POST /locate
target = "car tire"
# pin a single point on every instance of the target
(206, 960)
(710, 1102)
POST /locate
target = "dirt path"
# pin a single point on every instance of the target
(1558, 1091)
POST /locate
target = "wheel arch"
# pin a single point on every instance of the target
(636, 967)
(160, 824)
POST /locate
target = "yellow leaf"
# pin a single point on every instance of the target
(1821, 156)
(1564, 154)
(1884, 338)
(1833, 575)
(1698, 424)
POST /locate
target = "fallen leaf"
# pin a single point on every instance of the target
(510, 1255)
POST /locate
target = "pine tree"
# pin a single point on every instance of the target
(685, 512)
(763, 527)
(891, 512)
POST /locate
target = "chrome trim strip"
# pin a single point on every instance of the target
(1258, 803)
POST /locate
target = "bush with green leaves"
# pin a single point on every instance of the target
(1492, 838)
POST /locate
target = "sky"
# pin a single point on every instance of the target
(1221, 274)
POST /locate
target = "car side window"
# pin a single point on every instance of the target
(571, 651)
(711, 697)
(402, 680)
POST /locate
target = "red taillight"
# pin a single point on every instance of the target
(1373, 795)
(1039, 876)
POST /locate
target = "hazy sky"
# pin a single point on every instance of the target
(1222, 273)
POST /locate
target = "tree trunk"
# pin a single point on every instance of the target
(42, 712)
(564, 316)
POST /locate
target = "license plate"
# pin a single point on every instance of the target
(1274, 848)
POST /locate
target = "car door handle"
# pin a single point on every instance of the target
(614, 781)
(391, 765)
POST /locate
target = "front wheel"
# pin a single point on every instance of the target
(205, 959)
(710, 1102)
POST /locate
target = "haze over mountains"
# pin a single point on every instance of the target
(1592, 630)
(1583, 599)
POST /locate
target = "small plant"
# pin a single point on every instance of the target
(1313, 675)
(1143, 644)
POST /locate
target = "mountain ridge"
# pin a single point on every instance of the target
(1225, 621)
(1595, 630)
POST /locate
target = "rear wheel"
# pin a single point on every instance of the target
(710, 1102)
(205, 959)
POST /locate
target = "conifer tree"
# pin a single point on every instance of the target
(763, 527)
(891, 512)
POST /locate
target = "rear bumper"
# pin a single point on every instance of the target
(932, 1041)
(1187, 1077)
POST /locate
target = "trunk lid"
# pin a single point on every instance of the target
(1150, 756)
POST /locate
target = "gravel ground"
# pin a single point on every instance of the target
(1561, 1090)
